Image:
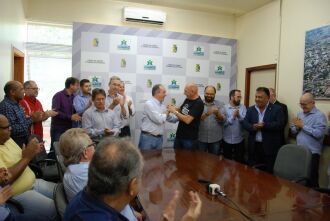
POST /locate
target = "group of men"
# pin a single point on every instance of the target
(204, 124)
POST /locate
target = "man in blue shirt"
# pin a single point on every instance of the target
(309, 125)
(83, 100)
(233, 131)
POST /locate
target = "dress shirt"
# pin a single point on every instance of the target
(86, 207)
(154, 117)
(261, 119)
(95, 121)
(16, 117)
(210, 129)
(233, 132)
(31, 105)
(125, 120)
(312, 134)
(80, 102)
(63, 104)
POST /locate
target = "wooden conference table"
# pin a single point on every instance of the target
(260, 195)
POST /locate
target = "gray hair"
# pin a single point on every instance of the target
(114, 164)
(114, 78)
(72, 143)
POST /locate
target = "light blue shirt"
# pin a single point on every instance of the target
(154, 117)
(80, 102)
(75, 179)
(95, 121)
(233, 132)
(261, 119)
(312, 134)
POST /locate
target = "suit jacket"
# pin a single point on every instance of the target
(271, 132)
(285, 111)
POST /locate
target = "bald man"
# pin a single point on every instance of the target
(189, 116)
(10, 107)
(309, 125)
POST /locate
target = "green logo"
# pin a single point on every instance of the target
(198, 51)
(123, 45)
(173, 85)
(149, 83)
(171, 136)
(96, 82)
(198, 68)
(218, 86)
(123, 63)
(173, 101)
(149, 65)
(174, 48)
(219, 70)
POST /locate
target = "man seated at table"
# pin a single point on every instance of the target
(98, 120)
(114, 180)
(35, 195)
(77, 150)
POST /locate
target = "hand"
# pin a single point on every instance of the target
(36, 116)
(5, 194)
(75, 117)
(32, 149)
(171, 108)
(129, 104)
(4, 176)
(115, 101)
(108, 132)
(214, 110)
(236, 113)
(195, 207)
(138, 215)
(51, 113)
(299, 123)
(258, 126)
(169, 212)
(122, 100)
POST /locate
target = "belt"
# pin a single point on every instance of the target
(145, 132)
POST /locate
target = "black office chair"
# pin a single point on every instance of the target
(59, 159)
(293, 163)
(60, 200)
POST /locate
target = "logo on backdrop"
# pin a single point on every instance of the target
(123, 63)
(198, 68)
(149, 65)
(123, 45)
(173, 101)
(95, 42)
(218, 86)
(149, 83)
(174, 48)
(96, 81)
(173, 85)
(198, 51)
(219, 70)
(171, 136)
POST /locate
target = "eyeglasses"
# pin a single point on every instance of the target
(34, 88)
(6, 127)
(90, 145)
(304, 104)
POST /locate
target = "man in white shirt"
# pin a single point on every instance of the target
(153, 120)
(129, 109)
(98, 120)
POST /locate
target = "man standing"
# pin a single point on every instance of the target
(210, 128)
(264, 122)
(82, 101)
(98, 120)
(309, 125)
(233, 133)
(63, 104)
(31, 104)
(153, 120)
(284, 108)
(114, 101)
(10, 107)
(189, 115)
(129, 109)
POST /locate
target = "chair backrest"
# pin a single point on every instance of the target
(60, 200)
(293, 162)
(59, 159)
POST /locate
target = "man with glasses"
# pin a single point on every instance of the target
(10, 107)
(77, 150)
(309, 125)
(31, 104)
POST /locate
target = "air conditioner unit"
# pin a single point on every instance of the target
(132, 14)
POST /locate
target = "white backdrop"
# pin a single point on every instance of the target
(145, 57)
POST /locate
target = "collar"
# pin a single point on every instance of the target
(30, 99)
(212, 103)
(81, 94)
(11, 101)
(257, 108)
(97, 110)
(313, 111)
(156, 101)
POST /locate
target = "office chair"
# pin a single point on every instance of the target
(59, 159)
(60, 200)
(293, 163)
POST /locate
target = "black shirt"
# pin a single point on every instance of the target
(195, 109)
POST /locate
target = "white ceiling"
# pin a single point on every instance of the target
(234, 7)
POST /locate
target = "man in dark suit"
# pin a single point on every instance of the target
(273, 100)
(264, 122)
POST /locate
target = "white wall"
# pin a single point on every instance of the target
(12, 33)
(110, 12)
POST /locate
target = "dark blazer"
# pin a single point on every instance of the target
(285, 111)
(272, 131)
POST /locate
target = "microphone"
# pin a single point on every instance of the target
(214, 189)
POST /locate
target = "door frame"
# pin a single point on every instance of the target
(18, 64)
(248, 72)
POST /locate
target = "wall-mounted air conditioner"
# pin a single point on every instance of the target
(132, 14)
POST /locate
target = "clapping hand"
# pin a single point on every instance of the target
(299, 123)
(5, 194)
(4, 176)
